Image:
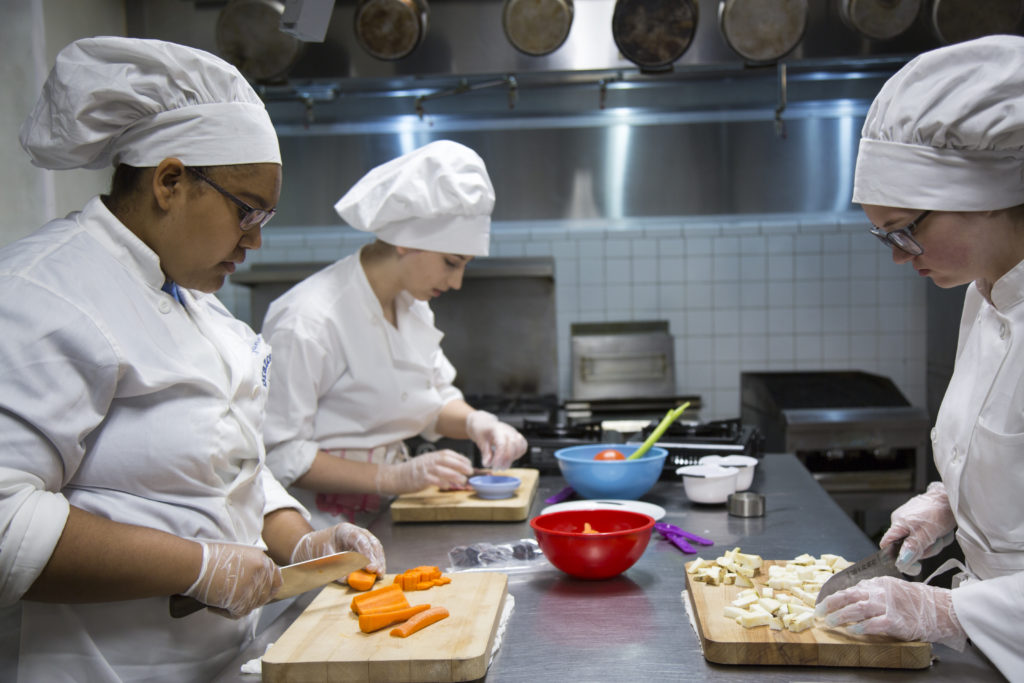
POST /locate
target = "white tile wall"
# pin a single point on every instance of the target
(806, 292)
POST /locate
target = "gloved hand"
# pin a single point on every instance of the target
(438, 468)
(926, 525)
(339, 538)
(235, 578)
(901, 609)
(500, 444)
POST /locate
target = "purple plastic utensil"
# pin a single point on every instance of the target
(560, 496)
(678, 542)
(672, 530)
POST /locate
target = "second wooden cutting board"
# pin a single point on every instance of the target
(726, 642)
(433, 505)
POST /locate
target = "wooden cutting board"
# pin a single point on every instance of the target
(434, 505)
(726, 642)
(325, 643)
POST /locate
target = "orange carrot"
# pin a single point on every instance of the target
(368, 623)
(419, 621)
(421, 578)
(388, 595)
(400, 603)
(362, 580)
(587, 529)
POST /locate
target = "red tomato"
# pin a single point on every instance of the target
(609, 454)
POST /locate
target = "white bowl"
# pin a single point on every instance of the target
(708, 483)
(744, 463)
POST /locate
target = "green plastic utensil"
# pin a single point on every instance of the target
(670, 417)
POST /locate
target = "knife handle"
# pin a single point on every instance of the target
(181, 606)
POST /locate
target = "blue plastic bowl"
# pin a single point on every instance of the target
(622, 479)
(494, 486)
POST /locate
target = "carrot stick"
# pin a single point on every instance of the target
(362, 580)
(368, 623)
(419, 621)
(375, 598)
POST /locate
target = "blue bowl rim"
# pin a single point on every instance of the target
(507, 482)
(655, 453)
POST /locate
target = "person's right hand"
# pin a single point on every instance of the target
(925, 524)
(235, 578)
(438, 468)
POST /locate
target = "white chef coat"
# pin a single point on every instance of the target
(346, 378)
(978, 443)
(118, 400)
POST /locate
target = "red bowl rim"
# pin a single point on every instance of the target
(646, 526)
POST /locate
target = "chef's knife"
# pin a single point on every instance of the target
(295, 579)
(881, 563)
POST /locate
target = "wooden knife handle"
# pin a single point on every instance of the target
(182, 606)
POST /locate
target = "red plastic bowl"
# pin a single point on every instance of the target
(622, 540)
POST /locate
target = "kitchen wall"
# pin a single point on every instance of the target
(750, 292)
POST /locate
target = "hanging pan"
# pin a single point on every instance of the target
(879, 19)
(654, 33)
(762, 31)
(391, 29)
(954, 21)
(537, 27)
(248, 35)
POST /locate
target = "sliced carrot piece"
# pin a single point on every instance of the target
(420, 621)
(401, 603)
(362, 580)
(386, 595)
(368, 623)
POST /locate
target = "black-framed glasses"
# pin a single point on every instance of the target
(250, 216)
(903, 238)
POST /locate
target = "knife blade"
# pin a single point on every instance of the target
(881, 563)
(295, 579)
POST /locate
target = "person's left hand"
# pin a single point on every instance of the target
(338, 538)
(902, 609)
(500, 444)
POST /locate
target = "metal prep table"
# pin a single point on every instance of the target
(635, 627)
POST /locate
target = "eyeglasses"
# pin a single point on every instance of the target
(249, 216)
(903, 238)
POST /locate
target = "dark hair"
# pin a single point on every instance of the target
(127, 181)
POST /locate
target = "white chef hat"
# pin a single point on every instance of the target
(946, 132)
(438, 198)
(111, 100)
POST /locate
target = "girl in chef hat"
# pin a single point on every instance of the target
(359, 366)
(940, 175)
(132, 402)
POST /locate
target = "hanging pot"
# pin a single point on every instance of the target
(955, 21)
(248, 35)
(762, 31)
(391, 29)
(879, 19)
(654, 33)
(537, 27)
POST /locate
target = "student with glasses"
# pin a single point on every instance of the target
(940, 175)
(131, 401)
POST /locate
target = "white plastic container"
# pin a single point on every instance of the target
(745, 464)
(708, 483)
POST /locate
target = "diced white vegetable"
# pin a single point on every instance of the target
(733, 612)
(752, 619)
(801, 622)
(770, 604)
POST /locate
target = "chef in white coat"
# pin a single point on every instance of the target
(131, 401)
(358, 361)
(940, 175)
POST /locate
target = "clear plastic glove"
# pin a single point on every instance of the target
(235, 578)
(446, 469)
(339, 538)
(500, 444)
(893, 607)
(925, 524)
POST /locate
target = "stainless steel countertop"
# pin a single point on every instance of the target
(634, 627)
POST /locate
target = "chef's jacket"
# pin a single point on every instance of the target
(978, 443)
(346, 378)
(119, 400)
